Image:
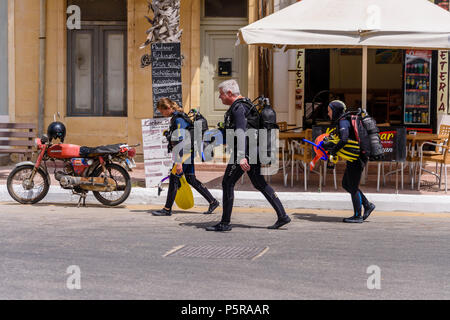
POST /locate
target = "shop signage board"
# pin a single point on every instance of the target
(157, 160)
(443, 82)
(300, 81)
(166, 73)
(393, 140)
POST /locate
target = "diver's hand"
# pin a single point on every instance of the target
(328, 145)
(244, 164)
(179, 168)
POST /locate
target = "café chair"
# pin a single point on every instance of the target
(414, 158)
(441, 158)
(282, 125)
(301, 152)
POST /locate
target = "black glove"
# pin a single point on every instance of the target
(328, 145)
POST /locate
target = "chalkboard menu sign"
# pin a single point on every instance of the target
(166, 73)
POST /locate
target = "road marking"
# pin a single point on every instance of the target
(174, 249)
(261, 253)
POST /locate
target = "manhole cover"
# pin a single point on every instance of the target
(215, 252)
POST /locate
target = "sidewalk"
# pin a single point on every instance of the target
(428, 199)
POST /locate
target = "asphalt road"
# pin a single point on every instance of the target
(53, 251)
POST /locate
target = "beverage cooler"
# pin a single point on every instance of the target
(417, 88)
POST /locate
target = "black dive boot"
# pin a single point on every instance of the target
(162, 212)
(368, 210)
(354, 219)
(220, 227)
(212, 207)
(280, 222)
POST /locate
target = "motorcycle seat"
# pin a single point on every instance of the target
(87, 152)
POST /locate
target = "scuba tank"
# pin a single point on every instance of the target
(376, 148)
(267, 121)
(268, 116)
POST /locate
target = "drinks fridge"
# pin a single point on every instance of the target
(417, 95)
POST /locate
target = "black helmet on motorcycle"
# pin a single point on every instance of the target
(56, 130)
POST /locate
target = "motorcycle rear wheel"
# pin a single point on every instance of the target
(24, 191)
(123, 185)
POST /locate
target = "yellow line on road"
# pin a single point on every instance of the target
(329, 212)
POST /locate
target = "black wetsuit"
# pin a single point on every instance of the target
(238, 113)
(188, 168)
(354, 169)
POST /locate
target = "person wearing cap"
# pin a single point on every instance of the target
(354, 169)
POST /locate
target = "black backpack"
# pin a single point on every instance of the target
(173, 127)
(262, 116)
(196, 116)
(366, 132)
(192, 117)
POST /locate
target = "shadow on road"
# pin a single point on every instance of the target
(202, 225)
(173, 212)
(315, 218)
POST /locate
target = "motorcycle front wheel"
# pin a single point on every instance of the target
(24, 190)
(123, 185)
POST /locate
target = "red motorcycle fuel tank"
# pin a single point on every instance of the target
(64, 151)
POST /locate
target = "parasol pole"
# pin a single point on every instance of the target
(364, 78)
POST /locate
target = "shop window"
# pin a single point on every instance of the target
(96, 56)
(226, 8)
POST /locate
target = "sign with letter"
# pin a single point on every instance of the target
(157, 160)
(442, 82)
(300, 80)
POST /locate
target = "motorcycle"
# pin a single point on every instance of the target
(102, 170)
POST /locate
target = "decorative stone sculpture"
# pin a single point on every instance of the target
(165, 23)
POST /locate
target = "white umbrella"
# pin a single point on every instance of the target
(353, 23)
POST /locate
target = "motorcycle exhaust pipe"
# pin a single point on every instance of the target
(90, 184)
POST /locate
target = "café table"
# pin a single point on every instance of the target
(414, 141)
(291, 135)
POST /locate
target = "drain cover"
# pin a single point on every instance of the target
(214, 252)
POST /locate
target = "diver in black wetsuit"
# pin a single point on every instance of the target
(238, 117)
(179, 121)
(354, 169)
